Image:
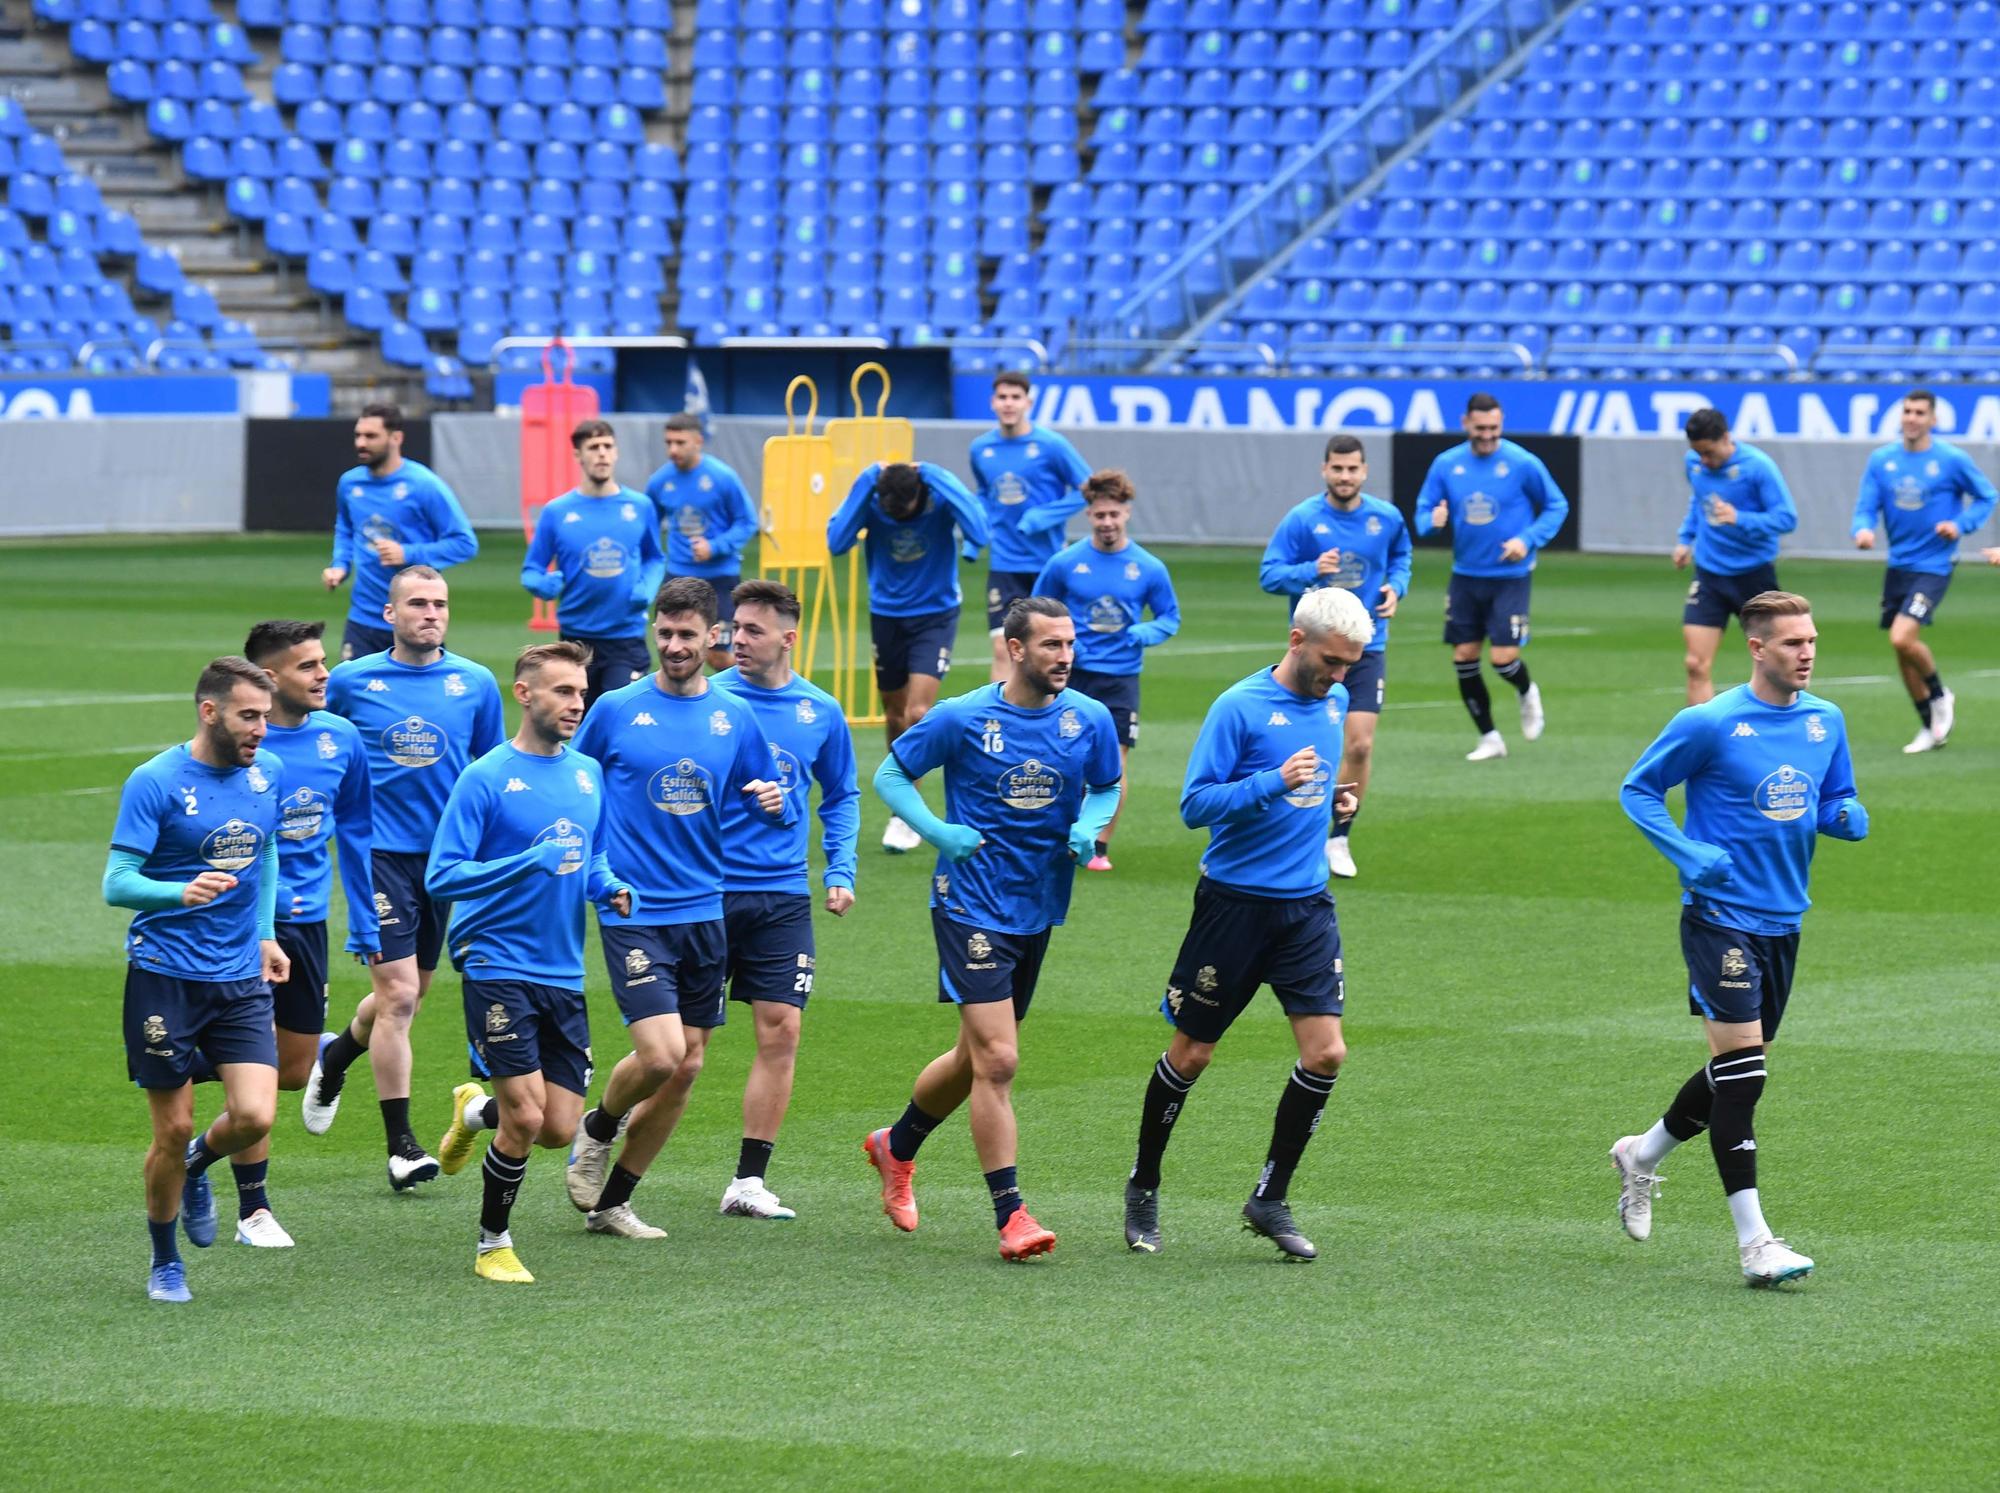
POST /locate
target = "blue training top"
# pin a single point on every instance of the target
(327, 794)
(411, 505)
(1909, 493)
(1508, 495)
(1028, 487)
(809, 735)
(707, 502)
(1107, 594)
(1752, 483)
(913, 564)
(608, 562)
(1374, 544)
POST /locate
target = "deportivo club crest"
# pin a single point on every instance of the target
(325, 745)
(1374, 525)
(807, 715)
(979, 946)
(636, 962)
(1734, 964)
(1815, 729)
(1131, 570)
(627, 512)
(453, 685)
(1068, 726)
(941, 885)
(1204, 979)
(154, 1030)
(496, 1017)
(256, 779)
(718, 723)
(583, 782)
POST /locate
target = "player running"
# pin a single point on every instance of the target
(1504, 508)
(766, 898)
(1109, 583)
(327, 795)
(195, 854)
(1260, 780)
(709, 520)
(518, 853)
(909, 510)
(1739, 506)
(388, 513)
(424, 714)
(1030, 780)
(1927, 494)
(1027, 478)
(1360, 543)
(672, 749)
(1766, 772)
(596, 553)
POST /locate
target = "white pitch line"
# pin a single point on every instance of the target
(7, 759)
(65, 702)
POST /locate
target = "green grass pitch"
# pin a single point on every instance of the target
(1475, 1319)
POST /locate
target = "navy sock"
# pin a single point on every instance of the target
(201, 1155)
(1472, 689)
(1343, 822)
(753, 1157)
(1732, 1137)
(1515, 674)
(1299, 1111)
(396, 1123)
(1687, 1116)
(250, 1186)
(1935, 685)
(1923, 710)
(617, 1189)
(908, 1133)
(601, 1127)
(166, 1249)
(1166, 1092)
(337, 1059)
(1006, 1190)
(503, 1174)
(1100, 847)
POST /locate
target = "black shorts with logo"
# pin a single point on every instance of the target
(299, 1005)
(167, 1019)
(614, 663)
(1736, 977)
(1117, 693)
(413, 921)
(517, 1027)
(978, 966)
(771, 952)
(1715, 599)
(668, 969)
(1237, 941)
(1912, 593)
(912, 645)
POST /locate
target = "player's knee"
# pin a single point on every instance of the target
(1323, 1055)
(659, 1062)
(255, 1117)
(690, 1067)
(1188, 1057)
(996, 1063)
(914, 711)
(172, 1136)
(522, 1119)
(556, 1132)
(396, 1005)
(1697, 666)
(292, 1075)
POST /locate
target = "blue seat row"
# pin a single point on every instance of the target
(655, 15)
(346, 84)
(490, 46)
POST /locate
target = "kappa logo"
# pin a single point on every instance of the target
(979, 946)
(644, 718)
(806, 714)
(572, 517)
(636, 962)
(1459, 470)
(719, 723)
(1746, 1144)
(1174, 999)
(1321, 529)
(496, 1017)
(515, 785)
(1278, 718)
(1082, 568)
(377, 687)
(1734, 964)
(326, 747)
(154, 1029)
(1744, 728)
(354, 492)
(190, 804)
(987, 454)
(453, 685)
(584, 783)
(1815, 729)
(256, 779)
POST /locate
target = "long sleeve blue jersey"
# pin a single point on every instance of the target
(608, 562)
(1752, 483)
(411, 505)
(1909, 493)
(809, 736)
(1763, 783)
(421, 726)
(707, 502)
(913, 566)
(185, 818)
(669, 762)
(1263, 838)
(1374, 544)
(518, 853)
(328, 796)
(1107, 594)
(1019, 778)
(1027, 488)
(1508, 495)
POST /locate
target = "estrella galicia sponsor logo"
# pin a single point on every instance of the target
(1353, 569)
(413, 742)
(1030, 786)
(232, 846)
(1312, 792)
(301, 815)
(683, 787)
(1783, 795)
(1480, 509)
(906, 545)
(605, 559)
(568, 834)
(789, 771)
(1106, 615)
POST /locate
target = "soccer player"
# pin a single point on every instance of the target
(1503, 507)
(672, 750)
(1927, 494)
(1260, 780)
(1109, 583)
(1766, 772)
(327, 795)
(388, 513)
(1031, 774)
(909, 510)
(518, 853)
(766, 900)
(596, 552)
(709, 519)
(1361, 544)
(195, 854)
(1738, 508)
(1027, 478)
(424, 714)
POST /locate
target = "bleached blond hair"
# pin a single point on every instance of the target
(1333, 610)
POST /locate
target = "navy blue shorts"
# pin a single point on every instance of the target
(413, 921)
(1367, 681)
(770, 946)
(614, 663)
(1737, 977)
(977, 966)
(361, 639)
(1912, 593)
(668, 969)
(299, 1005)
(1715, 600)
(725, 606)
(167, 1019)
(1489, 608)
(912, 645)
(1236, 942)
(517, 1027)
(1117, 693)
(1003, 589)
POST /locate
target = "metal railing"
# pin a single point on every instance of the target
(1342, 157)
